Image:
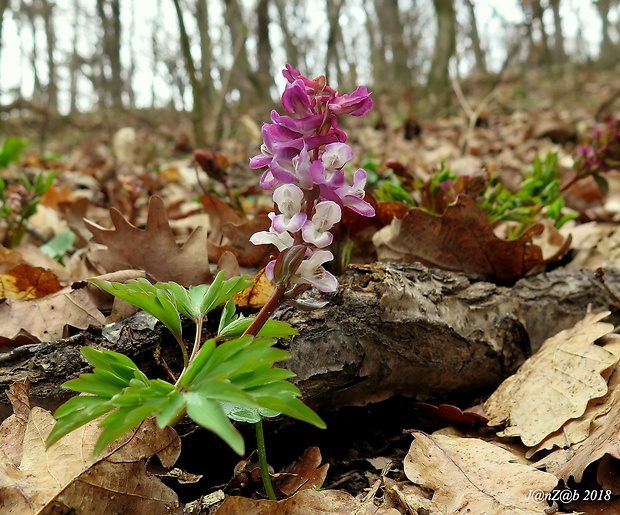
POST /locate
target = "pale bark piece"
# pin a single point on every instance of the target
(389, 329)
(468, 475)
(555, 384)
(68, 478)
(153, 249)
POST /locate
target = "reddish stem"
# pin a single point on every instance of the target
(277, 297)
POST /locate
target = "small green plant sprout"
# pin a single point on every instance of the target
(228, 376)
(11, 151)
(18, 202)
(539, 195)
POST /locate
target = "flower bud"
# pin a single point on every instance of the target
(287, 263)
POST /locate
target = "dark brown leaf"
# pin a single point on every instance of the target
(153, 249)
(460, 240)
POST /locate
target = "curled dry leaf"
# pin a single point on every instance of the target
(449, 413)
(256, 295)
(468, 475)
(555, 384)
(461, 240)
(306, 474)
(66, 477)
(153, 249)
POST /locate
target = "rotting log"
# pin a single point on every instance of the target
(389, 329)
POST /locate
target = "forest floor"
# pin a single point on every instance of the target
(538, 453)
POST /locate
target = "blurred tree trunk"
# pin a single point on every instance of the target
(47, 14)
(479, 55)
(392, 43)
(264, 75)
(206, 52)
(292, 52)
(109, 12)
(377, 50)
(74, 60)
(534, 14)
(132, 59)
(333, 63)
(28, 12)
(559, 54)
(607, 49)
(197, 117)
(155, 52)
(438, 84)
(241, 74)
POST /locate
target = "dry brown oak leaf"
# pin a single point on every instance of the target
(47, 318)
(576, 430)
(555, 384)
(462, 240)
(67, 479)
(153, 249)
(602, 443)
(468, 475)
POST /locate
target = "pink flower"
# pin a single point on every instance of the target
(316, 230)
(289, 199)
(311, 272)
(357, 103)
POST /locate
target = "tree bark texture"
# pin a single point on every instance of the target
(438, 84)
(390, 329)
(200, 139)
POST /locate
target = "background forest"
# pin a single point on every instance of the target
(220, 58)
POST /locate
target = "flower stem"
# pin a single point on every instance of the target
(262, 460)
(277, 297)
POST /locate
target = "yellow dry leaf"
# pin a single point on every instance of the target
(468, 475)
(25, 282)
(256, 295)
(305, 502)
(555, 384)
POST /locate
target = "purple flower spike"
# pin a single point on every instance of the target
(295, 99)
(305, 155)
(357, 103)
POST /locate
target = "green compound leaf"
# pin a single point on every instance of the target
(210, 415)
(75, 413)
(247, 415)
(293, 407)
(196, 301)
(233, 328)
(153, 300)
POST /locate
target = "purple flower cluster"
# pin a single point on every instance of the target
(602, 153)
(305, 154)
